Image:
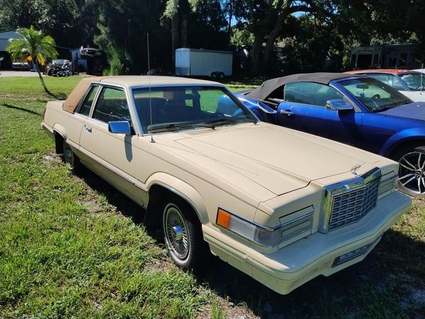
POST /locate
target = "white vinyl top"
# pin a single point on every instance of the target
(147, 80)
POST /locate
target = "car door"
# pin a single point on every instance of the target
(305, 108)
(81, 115)
(112, 156)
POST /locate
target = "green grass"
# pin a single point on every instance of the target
(24, 86)
(70, 247)
(57, 259)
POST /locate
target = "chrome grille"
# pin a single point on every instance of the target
(348, 201)
(350, 206)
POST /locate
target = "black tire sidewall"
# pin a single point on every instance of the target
(73, 160)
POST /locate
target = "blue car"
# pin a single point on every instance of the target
(355, 110)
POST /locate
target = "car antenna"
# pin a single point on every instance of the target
(149, 85)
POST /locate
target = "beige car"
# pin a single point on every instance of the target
(280, 205)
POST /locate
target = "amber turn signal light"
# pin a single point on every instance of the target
(223, 218)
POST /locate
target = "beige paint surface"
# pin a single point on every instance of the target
(259, 172)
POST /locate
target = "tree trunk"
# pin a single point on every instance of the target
(229, 23)
(175, 38)
(37, 68)
(268, 50)
(185, 32)
(256, 54)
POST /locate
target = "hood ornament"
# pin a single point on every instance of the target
(354, 170)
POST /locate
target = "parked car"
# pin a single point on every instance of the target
(21, 66)
(59, 68)
(410, 83)
(280, 205)
(355, 110)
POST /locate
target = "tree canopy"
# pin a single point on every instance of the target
(309, 34)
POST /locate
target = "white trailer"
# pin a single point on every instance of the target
(199, 62)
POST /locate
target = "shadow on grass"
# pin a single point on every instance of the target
(122, 203)
(358, 291)
(9, 106)
(387, 266)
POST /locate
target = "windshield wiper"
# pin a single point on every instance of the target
(225, 121)
(174, 126)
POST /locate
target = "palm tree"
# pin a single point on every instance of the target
(34, 46)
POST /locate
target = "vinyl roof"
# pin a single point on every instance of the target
(268, 87)
(148, 80)
(74, 98)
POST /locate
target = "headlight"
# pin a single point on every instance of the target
(388, 183)
(293, 226)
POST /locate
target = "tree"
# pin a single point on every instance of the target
(122, 31)
(266, 20)
(34, 46)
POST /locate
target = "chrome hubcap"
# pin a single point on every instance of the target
(412, 172)
(176, 232)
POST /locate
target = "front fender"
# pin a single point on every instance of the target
(404, 136)
(182, 189)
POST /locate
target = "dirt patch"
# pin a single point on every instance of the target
(51, 159)
(92, 206)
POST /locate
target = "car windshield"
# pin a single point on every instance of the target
(415, 81)
(375, 95)
(392, 80)
(186, 107)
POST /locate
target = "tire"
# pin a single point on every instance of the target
(411, 178)
(182, 234)
(70, 158)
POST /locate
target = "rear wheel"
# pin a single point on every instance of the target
(70, 158)
(412, 170)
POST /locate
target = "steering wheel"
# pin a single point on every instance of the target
(376, 97)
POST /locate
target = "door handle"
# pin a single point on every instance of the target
(288, 113)
(88, 129)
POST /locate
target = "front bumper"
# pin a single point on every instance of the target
(292, 266)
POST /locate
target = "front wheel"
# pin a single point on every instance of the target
(182, 234)
(411, 178)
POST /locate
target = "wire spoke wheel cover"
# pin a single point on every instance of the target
(412, 172)
(176, 231)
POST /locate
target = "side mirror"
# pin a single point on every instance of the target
(119, 127)
(339, 105)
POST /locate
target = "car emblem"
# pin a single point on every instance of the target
(354, 170)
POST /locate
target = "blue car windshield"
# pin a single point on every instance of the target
(414, 80)
(375, 95)
(187, 107)
(392, 80)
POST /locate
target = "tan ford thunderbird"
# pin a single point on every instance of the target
(280, 205)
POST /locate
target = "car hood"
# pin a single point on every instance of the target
(416, 96)
(411, 111)
(278, 159)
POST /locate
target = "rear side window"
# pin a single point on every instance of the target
(111, 106)
(88, 101)
(310, 93)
